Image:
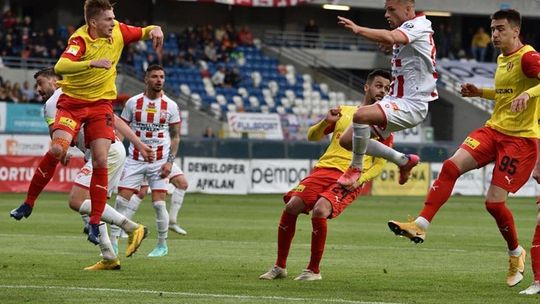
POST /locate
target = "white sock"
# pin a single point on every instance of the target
(360, 140)
(516, 252)
(378, 149)
(133, 206)
(110, 216)
(162, 221)
(85, 218)
(422, 223)
(177, 199)
(105, 243)
(120, 205)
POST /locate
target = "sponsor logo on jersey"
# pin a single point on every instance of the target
(68, 122)
(408, 25)
(151, 108)
(471, 142)
(504, 91)
(299, 188)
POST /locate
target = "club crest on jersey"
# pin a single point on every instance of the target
(299, 188)
(509, 66)
(73, 50)
(471, 142)
(151, 108)
(163, 115)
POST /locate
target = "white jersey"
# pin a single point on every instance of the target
(413, 64)
(150, 120)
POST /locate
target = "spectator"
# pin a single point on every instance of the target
(233, 77)
(311, 33)
(479, 44)
(210, 52)
(245, 37)
(444, 41)
(218, 79)
(209, 133)
(27, 91)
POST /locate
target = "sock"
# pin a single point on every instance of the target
(505, 222)
(360, 140)
(85, 218)
(318, 239)
(132, 206)
(440, 191)
(43, 174)
(422, 223)
(111, 216)
(105, 243)
(98, 193)
(162, 221)
(286, 229)
(120, 205)
(378, 149)
(535, 253)
(177, 199)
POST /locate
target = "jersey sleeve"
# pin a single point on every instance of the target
(75, 49)
(175, 114)
(127, 112)
(49, 109)
(414, 29)
(130, 33)
(530, 64)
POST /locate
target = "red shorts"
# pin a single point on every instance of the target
(97, 117)
(321, 182)
(514, 157)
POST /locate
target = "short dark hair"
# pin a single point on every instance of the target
(92, 8)
(47, 72)
(154, 67)
(381, 73)
(513, 16)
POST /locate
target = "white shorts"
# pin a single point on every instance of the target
(136, 172)
(115, 165)
(401, 114)
(175, 171)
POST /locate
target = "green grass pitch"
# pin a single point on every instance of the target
(232, 240)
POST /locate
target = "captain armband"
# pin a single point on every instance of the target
(170, 158)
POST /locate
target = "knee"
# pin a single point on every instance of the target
(99, 161)
(322, 210)
(180, 183)
(59, 147)
(294, 207)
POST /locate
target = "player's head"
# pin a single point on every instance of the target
(154, 78)
(46, 82)
(398, 11)
(377, 86)
(99, 17)
(505, 28)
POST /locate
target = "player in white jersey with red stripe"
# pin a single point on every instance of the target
(155, 118)
(413, 87)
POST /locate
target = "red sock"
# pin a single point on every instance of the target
(98, 193)
(440, 191)
(43, 174)
(505, 222)
(318, 240)
(286, 229)
(535, 254)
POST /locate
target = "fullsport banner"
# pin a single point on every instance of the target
(256, 125)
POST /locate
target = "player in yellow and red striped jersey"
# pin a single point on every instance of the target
(509, 139)
(88, 67)
(319, 192)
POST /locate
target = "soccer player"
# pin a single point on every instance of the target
(319, 191)
(413, 87)
(78, 198)
(534, 288)
(155, 118)
(509, 138)
(88, 67)
(179, 181)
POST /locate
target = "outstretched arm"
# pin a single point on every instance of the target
(325, 126)
(126, 131)
(384, 37)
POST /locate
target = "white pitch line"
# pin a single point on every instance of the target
(190, 294)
